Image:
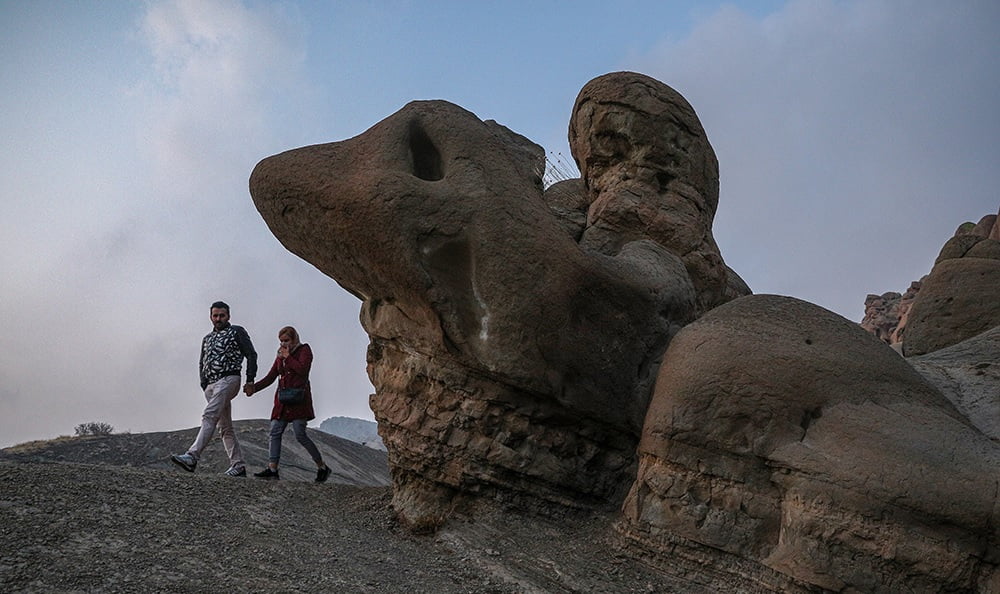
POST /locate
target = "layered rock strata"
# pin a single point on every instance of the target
(511, 350)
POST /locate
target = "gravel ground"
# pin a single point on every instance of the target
(74, 527)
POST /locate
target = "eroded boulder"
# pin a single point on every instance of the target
(510, 351)
(651, 174)
(783, 434)
(960, 298)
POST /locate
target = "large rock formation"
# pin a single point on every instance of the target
(518, 338)
(514, 340)
(782, 433)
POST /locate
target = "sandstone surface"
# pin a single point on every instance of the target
(510, 349)
(782, 433)
(651, 174)
(958, 299)
(986, 227)
(968, 374)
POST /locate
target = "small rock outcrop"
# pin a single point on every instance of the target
(515, 332)
(886, 315)
(882, 315)
(784, 434)
(959, 298)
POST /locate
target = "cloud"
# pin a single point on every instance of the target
(220, 69)
(853, 138)
(105, 320)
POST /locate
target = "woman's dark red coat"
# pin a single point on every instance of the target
(291, 372)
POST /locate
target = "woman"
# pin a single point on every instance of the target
(291, 368)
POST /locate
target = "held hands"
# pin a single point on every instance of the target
(283, 352)
(248, 389)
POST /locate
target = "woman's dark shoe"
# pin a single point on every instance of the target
(322, 474)
(267, 473)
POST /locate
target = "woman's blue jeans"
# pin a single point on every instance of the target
(299, 427)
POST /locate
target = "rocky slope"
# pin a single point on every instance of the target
(112, 514)
(74, 527)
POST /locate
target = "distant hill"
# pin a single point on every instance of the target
(359, 430)
(351, 462)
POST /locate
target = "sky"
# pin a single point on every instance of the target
(853, 139)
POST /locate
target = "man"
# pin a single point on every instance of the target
(222, 354)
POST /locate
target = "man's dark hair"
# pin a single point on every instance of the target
(220, 305)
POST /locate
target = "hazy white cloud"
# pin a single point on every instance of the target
(220, 68)
(126, 254)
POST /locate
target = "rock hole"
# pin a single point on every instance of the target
(808, 417)
(663, 180)
(424, 156)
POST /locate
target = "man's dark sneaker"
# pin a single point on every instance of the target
(267, 473)
(322, 474)
(236, 471)
(185, 461)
